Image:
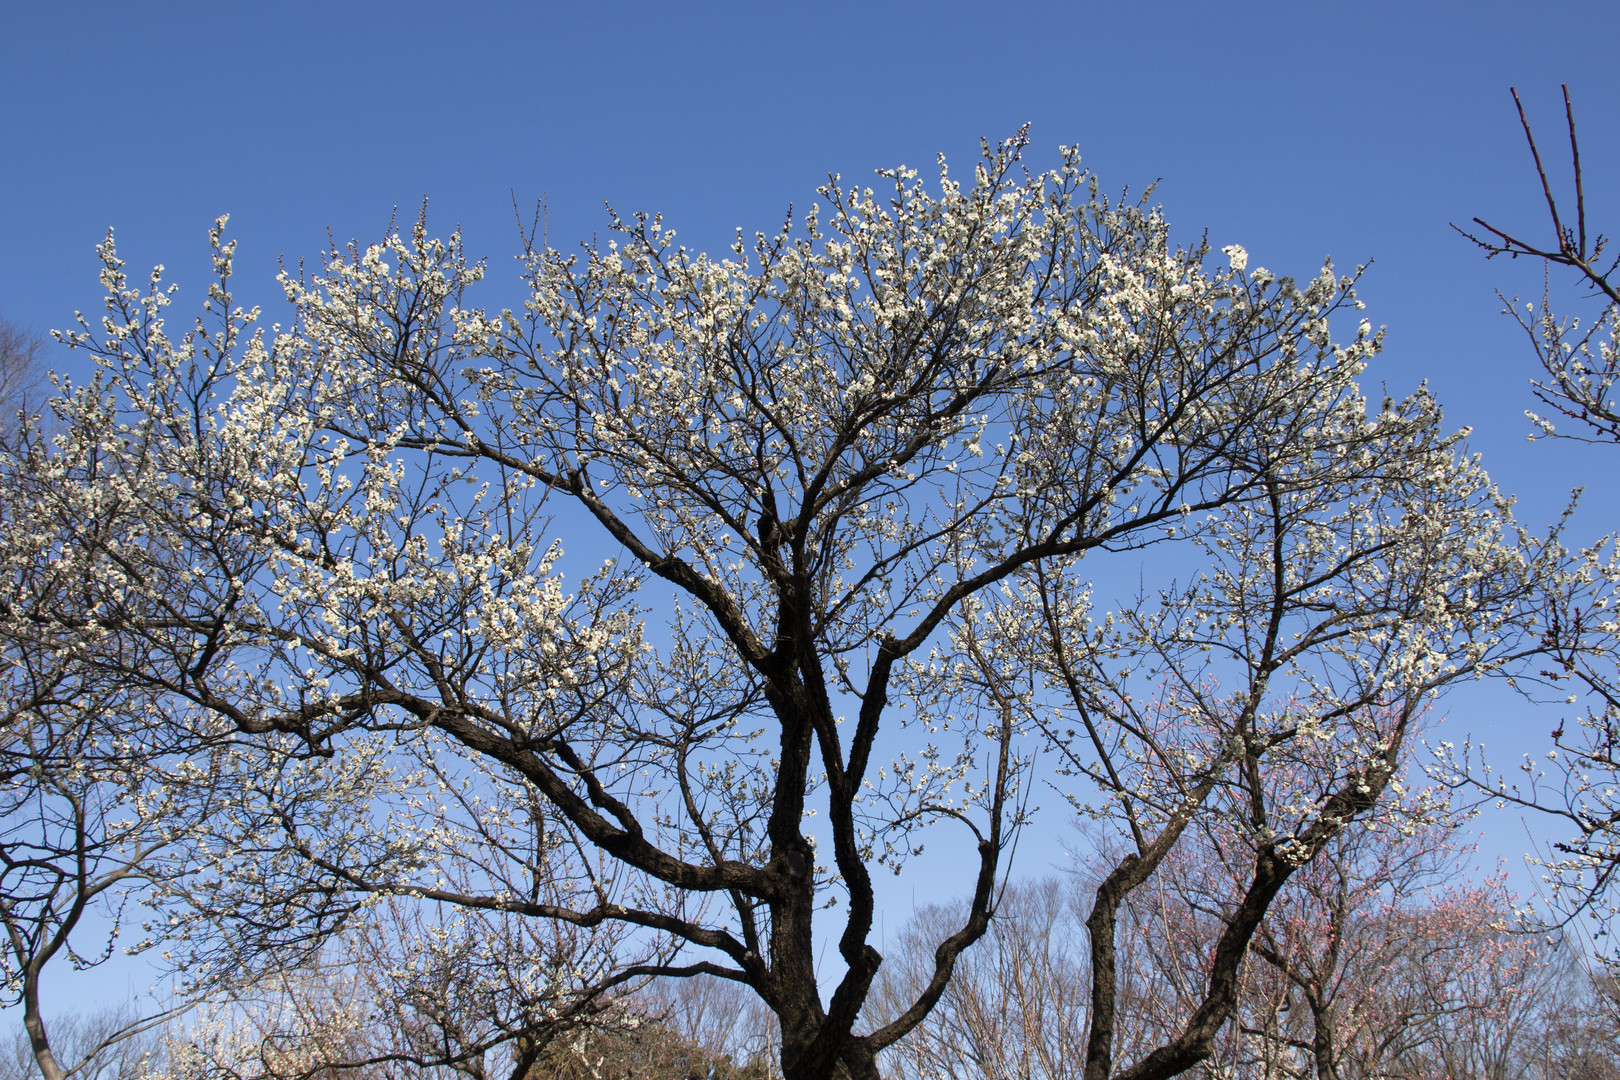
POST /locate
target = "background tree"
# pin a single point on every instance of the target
(22, 369)
(1371, 957)
(106, 1039)
(876, 458)
(722, 1017)
(1374, 962)
(1017, 1003)
(1574, 1025)
(702, 1027)
(404, 993)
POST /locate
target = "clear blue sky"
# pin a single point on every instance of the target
(1300, 130)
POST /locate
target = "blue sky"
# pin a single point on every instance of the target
(1300, 130)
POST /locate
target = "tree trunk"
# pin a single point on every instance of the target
(34, 1024)
(1322, 1048)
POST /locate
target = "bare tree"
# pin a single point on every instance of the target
(1017, 1004)
(719, 1017)
(111, 1040)
(22, 372)
(1574, 1029)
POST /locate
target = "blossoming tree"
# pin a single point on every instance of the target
(100, 798)
(1580, 664)
(841, 494)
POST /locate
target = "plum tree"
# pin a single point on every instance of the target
(862, 471)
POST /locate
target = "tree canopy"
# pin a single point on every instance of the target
(698, 589)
